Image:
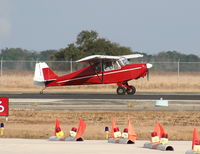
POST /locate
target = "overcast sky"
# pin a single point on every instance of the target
(147, 26)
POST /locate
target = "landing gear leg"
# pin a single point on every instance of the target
(42, 91)
(130, 89)
(124, 88)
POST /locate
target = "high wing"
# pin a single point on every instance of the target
(132, 56)
(105, 57)
(97, 57)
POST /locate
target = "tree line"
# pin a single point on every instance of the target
(89, 43)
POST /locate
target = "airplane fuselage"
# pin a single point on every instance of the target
(88, 75)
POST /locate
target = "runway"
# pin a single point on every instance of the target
(103, 102)
(104, 96)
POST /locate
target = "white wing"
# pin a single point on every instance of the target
(98, 57)
(132, 56)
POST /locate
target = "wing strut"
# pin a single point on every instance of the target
(102, 69)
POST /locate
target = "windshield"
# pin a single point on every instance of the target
(125, 61)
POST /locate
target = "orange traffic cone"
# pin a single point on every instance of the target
(113, 126)
(195, 143)
(81, 128)
(157, 134)
(195, 138)
(159, 130)
(57, 126)
(131, 132)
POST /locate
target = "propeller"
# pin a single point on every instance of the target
(148, 67)
(148, 75)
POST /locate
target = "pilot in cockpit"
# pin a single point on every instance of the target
(108, 66)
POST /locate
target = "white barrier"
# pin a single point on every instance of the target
(71, 138)
(55, 138)
(158, 146)
(120, 141)
(191, 152)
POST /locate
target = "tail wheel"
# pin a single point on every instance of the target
(121, 90)
(131, 91)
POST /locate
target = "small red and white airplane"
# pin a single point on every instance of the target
(101, 70)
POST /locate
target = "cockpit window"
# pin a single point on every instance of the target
(98, 67)
(108, 65)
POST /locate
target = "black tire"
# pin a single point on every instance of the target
(79, 139)
(131, 91)
(121, 90)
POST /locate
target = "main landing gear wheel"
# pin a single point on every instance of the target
(121, 90)
(131, 91)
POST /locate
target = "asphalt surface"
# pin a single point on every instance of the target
(105, 96)
(103, 101)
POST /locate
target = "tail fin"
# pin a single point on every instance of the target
(43, 73)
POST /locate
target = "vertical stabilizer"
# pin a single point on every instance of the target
(42, 74)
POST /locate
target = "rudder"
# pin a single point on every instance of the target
(43, 74)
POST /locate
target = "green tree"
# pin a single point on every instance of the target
(85, 37)
(17, 54)
(46, 55)
(60, 55)
(88, 43)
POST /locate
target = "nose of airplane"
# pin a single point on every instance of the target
(149, 65)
